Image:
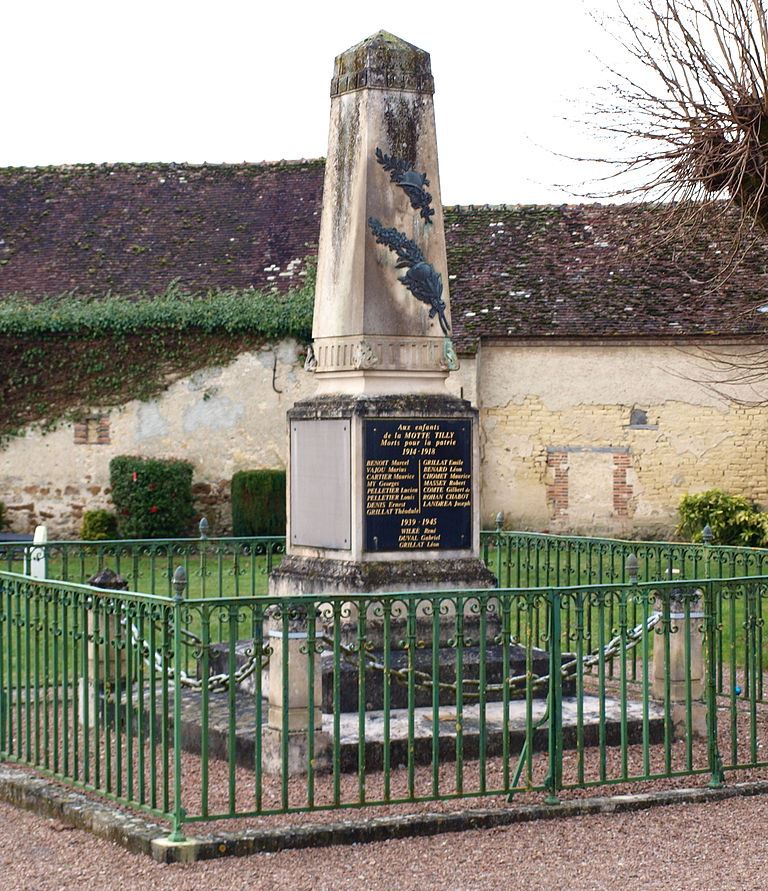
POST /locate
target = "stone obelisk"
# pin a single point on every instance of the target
(383, 474)
(383, 468)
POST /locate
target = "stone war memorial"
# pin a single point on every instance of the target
(383, 491)
(383, 483)
(386, 652)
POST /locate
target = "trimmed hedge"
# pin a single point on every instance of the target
(98, 525)
(152, 496)
(258, 502)
(734, 519)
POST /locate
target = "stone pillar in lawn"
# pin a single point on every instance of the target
(106, 665)
(679, 675)
(383, 472)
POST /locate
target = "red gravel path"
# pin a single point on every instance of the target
(704, 846)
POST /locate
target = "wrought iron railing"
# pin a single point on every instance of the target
(223, 566)
(534, 559)
(226, 567)
(218, 567)
(164, 702)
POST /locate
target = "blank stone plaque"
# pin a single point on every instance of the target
(321, 484)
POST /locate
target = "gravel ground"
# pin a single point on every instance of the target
(712, 846)
(694, 846)
(243, 778)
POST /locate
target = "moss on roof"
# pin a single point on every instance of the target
(514, 271)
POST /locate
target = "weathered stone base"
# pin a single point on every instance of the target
(698, 720)
(317, 576)
(420, 745)
(349, 676)
(321, 575)
(166, 851)
(297, 752)
(349, 673)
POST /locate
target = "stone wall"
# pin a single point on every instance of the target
(574, 437)
(596, 438)
(221, 419)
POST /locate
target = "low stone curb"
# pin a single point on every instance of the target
(42, 796)
(143, 836)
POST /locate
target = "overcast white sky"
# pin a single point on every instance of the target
(234, 81)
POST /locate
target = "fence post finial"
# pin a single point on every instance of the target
(632, 567)
(707, 535)
(203, 527)
(179, 582)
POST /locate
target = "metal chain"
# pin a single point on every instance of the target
(219, 683)
(424, 681)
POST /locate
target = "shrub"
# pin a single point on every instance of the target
(98, 525)
(734, 520)
(3, 518)
(152, 496)
(258, 502)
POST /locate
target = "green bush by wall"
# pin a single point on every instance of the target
(258, 502)
(734, 520)
(98, 525)
(152, 496)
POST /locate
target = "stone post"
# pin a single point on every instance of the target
(114, 665)
(678, 657)
(294, 673)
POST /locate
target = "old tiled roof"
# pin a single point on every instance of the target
(136, 227)
(599, 270)
(515, 271)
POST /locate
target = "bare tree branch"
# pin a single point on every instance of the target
(689, 118)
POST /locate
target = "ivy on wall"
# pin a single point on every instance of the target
(63, 355)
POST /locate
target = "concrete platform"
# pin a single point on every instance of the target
(245, 709)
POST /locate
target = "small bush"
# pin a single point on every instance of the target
(152, 496)
(734, 520)
(258, 502)
(98, 525)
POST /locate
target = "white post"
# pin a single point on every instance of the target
(37, 558)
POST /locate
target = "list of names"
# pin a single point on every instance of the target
(418, 484)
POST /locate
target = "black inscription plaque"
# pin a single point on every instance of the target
(418, 484)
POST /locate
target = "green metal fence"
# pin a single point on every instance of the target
(399, 698)
(534, 559)
(225, 567)
(215, 567)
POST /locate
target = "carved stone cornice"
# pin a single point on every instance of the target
(383, 62)
(334, 354)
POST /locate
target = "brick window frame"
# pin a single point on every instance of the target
(92, 430)
(557, 486)
(557, 489)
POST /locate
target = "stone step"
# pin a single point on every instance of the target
(245, 710)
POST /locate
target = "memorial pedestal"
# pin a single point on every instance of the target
(382, 496)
